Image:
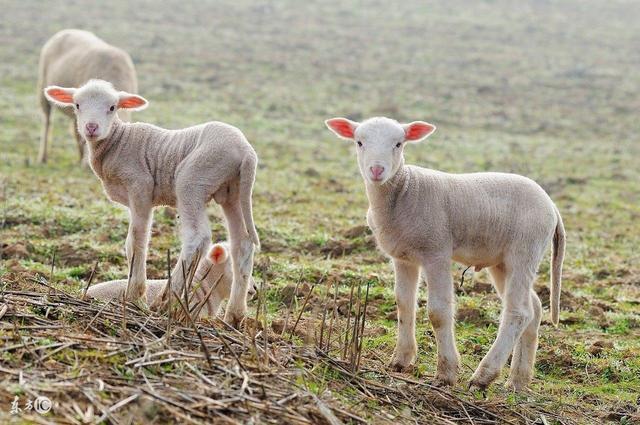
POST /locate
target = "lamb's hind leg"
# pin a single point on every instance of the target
(241, 260)
(517, 314)
(524, 354)
(195, 236)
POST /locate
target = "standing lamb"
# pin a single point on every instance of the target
(424, 219)
(71, 58)
(142, 166)
(211, 284)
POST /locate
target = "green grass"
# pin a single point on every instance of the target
(546, 89)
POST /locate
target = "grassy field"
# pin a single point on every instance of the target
(546, 89)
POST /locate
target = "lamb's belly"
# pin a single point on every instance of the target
(478, 257)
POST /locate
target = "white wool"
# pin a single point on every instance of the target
(426, 219)
(142, 166)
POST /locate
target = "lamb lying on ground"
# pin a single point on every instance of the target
(212, 283)
(72, 57)
(142, 166)
(425, 219)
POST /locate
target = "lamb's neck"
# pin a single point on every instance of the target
(383, 198)
(99, 150)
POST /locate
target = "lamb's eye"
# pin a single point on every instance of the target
(113, 108)
(78, 106)
(398, 144)
(359, 143)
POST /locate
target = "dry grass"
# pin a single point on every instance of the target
(114, 362)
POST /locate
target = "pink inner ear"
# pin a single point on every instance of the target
(60, 95)
(217, 254)
(341, 126)
(131, 102)
(418, 130)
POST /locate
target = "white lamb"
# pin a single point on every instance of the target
(142, 166)
(71, 58)
(212, 281)
(425, 219)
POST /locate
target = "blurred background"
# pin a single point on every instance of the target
(548, 89)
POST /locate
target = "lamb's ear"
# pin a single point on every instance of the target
(342, 127)
(60, 96)
(218, 254)
(132, 102)
(417, 131)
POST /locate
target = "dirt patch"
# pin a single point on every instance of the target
(472, 315)
(356, 232)
(356, 238)
(70, 256)
(568, 301)
(599, 346)
(287, 293)
(480, 287)
(339, 247)
(18, 250)
(304, 329)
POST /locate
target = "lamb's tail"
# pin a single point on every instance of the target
(247, 178)
(557, 257)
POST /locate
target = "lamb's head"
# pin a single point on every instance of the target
(379, 143)
(95, 105)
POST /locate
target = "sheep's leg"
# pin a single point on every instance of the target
(136, 246)
(498, 275)
(195, 236)
(517, 314)
(46, 132)
(441, 307)
(406, 289)
(80, 143)
(241, 261)
(524, 354)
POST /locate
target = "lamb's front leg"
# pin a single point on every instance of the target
(406, 296)
(440, 305)
(136, 247)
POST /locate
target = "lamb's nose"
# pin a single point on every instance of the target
(376, 171)
(91, 128)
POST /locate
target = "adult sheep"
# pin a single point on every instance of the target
(71, 58)
(425, 219)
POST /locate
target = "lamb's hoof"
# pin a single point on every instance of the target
(397, 365)
(480, 381)
(444, 381)
(233, 319)
(517, 385)
(142, 304)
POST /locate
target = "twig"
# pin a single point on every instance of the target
(304, 304)
(86, 288)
